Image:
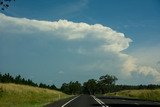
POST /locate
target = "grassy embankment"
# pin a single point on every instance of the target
(13, 95)
(153, 95)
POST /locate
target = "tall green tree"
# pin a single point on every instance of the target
(71, 88)
(75, 87)
(90, 86)
(106, 83)
(53, 87)
(108, 79)
(65, 88)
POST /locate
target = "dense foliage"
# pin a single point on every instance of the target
(71, 88)
(7, 78)
(105, 84)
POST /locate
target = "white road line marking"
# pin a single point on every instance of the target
(69, 101)
(156, 102)
(99, 101)
(136, 103)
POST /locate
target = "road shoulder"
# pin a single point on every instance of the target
(59, 103)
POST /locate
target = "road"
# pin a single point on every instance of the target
(102, 101)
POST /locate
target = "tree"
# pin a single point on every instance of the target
(106, 83)
(0, 77)
(78, 87)
(65, 88)
(71, 88)
(41, 85)
(75, 87)
(31, 83)
(108, 79)
(90, 86)
(4, 4)
(53, 87)
(7, 78)
(18, 79)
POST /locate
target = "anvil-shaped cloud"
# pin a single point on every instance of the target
(101, 47)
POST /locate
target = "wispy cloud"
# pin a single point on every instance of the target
(69, 9)
(61, 72)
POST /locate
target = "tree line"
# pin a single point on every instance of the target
(104, 84)
(7, 78)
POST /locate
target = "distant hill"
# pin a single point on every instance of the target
(27, 96)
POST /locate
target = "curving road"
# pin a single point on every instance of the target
(102, 101)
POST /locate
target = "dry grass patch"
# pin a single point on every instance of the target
(153, 95)
(13, 95)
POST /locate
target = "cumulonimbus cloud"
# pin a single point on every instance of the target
(110, 41)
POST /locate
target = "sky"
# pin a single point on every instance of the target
(57, 41)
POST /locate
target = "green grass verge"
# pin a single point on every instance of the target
(13, 95)
(153, 95)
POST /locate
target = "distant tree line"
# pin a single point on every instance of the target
(131, 87)
(7, 78)
(92, 86)
(104, 84)
(71, 88)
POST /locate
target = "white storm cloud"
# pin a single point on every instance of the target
(113, 41)
(91, 38)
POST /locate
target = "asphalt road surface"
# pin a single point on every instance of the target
(102, 101)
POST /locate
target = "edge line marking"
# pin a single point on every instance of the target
(70, 101)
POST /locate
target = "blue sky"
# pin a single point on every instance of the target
(56, 41)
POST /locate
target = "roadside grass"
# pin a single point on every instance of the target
(145, 94)
(13, 95)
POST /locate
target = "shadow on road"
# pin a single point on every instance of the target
(126, 105)
(122, 98)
